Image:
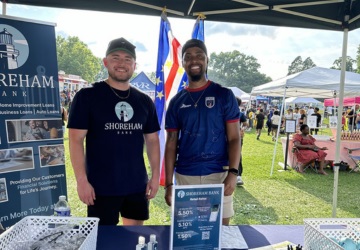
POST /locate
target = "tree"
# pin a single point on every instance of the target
(236, 69)
(74, 57)
(103, 73)
(299, 65)
(349, 64)
(358, 60)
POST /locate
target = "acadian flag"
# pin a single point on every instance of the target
(170, 76)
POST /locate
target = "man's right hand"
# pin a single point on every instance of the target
(168, 195)
(86, 192)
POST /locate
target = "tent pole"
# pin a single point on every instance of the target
(335, 105)
(277, 133)
(338, 131)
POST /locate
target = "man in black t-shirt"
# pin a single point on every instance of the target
(116, 120)
(352, 116)
(259, 123)
(318, 120)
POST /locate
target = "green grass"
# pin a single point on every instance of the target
(286, 197)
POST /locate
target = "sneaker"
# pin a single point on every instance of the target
(239, 181)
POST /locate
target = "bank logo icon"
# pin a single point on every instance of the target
(14, 48)
(124, 111)
(181, 194)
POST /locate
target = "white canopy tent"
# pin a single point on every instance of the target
(315, 82)
(301, 100)
(245, 97)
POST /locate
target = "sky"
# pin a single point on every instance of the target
(274, 47)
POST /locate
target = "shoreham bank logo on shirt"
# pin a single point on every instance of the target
(14, 48)
(124, 111)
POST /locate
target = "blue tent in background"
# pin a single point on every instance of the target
(143, 82)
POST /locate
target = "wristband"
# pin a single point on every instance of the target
(234, 171)
(168, 185)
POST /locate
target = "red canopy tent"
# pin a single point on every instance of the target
(348, 101)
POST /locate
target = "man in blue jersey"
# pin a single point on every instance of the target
(116, 119)
(203, 139)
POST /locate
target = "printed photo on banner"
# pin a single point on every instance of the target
(3, 190)
(16, 159)
(33, 130)
(52, 155)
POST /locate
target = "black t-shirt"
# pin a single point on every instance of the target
(115, 137)
(260, 119)
(351, 119)
(302, 118)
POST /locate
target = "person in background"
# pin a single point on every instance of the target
(302, 119)
(111, 176)
(344, 125)
(310, 111)
(296, 116)
(64, 118)
(357, 121)
(275, 124)
(318, 121)
(308, 151)
(243, 126)
(352, 117)
(289, 114)
(260, 117)
(251, 121)
(268, 121)
(203, 144)
(329, 111)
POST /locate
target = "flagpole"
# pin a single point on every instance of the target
(170, 76)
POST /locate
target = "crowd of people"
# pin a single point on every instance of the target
(350, 118)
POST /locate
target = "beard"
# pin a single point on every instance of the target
(195, 78)
(124, 79)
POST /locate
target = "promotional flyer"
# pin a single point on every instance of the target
(196, 217)
(32, 158)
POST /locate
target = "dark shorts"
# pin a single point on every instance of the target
(107, 208)
(259, 125)
(274, 126)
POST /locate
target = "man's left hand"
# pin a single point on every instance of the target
(229, 184)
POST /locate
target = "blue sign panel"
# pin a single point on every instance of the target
(196, 217)
(32, 159)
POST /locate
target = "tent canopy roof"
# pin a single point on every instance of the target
(301, 100)
(327, 15)
(348, 101)
(237, 92)
(315, 82)
(143, 82)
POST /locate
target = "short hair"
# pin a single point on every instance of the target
(276, 112)
(303, 126)
(317, 109)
